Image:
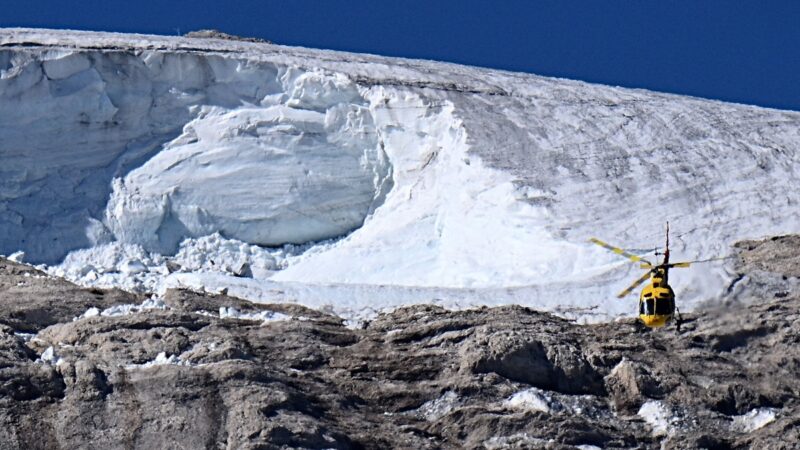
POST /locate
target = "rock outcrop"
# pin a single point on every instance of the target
(79, 369)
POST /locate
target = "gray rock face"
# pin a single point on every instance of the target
(193, 375)
(519, 356)
(630, 384)
(31, 300)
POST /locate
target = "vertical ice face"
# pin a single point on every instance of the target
(183, 144)
(304, 165)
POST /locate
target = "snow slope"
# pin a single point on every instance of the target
(357, 183)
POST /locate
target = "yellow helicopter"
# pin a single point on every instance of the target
(657, 300)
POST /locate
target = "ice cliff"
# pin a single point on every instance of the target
(131, 145)
(132, 155)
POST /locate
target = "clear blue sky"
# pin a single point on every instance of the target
(742, 51)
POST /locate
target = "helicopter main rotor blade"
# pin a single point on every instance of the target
(645, 263)
(635, 284)
(689, 263)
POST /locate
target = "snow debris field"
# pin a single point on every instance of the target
(357, 183)
(658, 416)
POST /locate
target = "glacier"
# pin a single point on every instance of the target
(357, 183)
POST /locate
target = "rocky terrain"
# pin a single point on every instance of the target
(79, 369)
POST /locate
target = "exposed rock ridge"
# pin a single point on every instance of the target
(212, 371)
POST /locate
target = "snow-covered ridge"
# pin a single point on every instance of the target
(441, 182)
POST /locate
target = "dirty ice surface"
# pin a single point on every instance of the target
(357, 183)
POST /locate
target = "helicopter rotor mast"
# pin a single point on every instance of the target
(666, 249)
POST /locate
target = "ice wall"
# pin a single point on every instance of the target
(149, 147)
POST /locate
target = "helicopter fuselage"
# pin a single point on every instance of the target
(657, 301)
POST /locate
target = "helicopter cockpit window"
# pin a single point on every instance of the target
(648, 307)
(665, 306)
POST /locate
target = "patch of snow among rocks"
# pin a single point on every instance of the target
(49, 356)
(160, 360)
(437, 408)
(753, 420)
(532, 399)
(123, 310)
(229, 312)
(24, 336)
(535, 399)
(658, 416)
